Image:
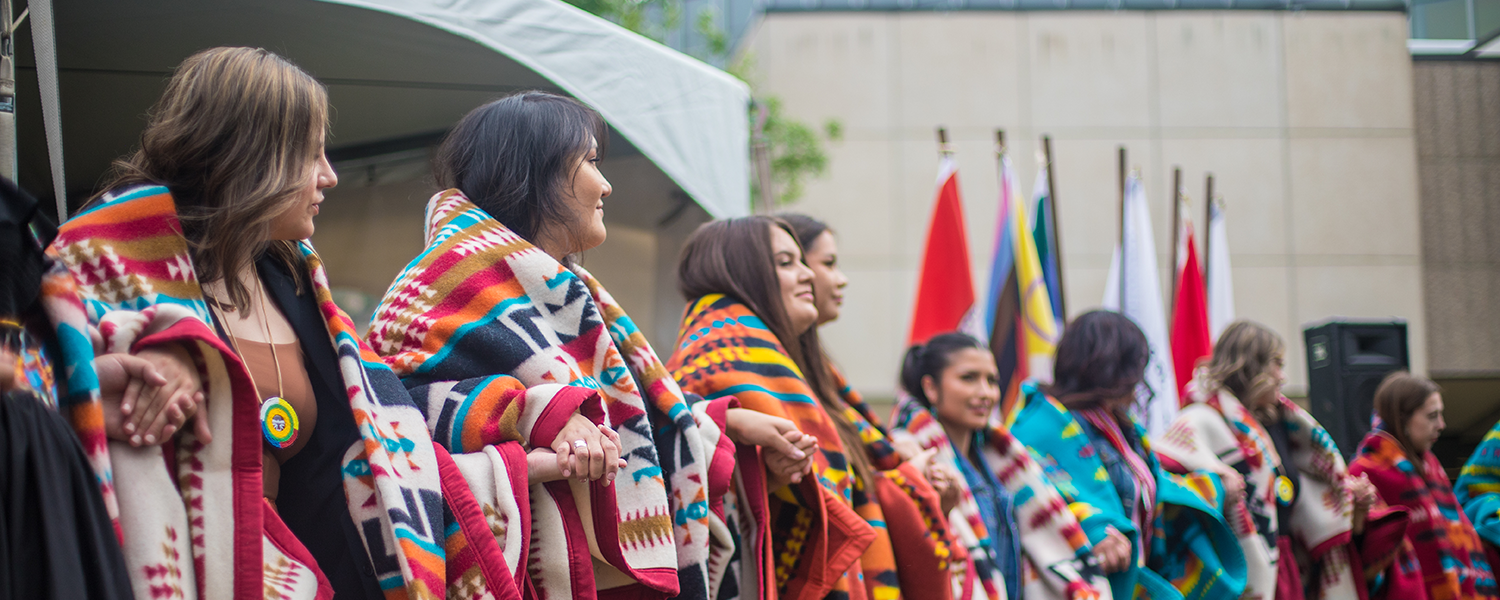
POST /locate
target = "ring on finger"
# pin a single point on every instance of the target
(580, 444)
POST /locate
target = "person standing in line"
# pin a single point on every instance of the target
(751, 331)
(1024, 542)
(1154, 533)
(496, 313)
(1298, 499)
(310, 472)
(1397, 457)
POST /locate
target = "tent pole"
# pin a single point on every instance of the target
(7, 91)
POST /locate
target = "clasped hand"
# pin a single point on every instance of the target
(150, 395)
(582, 450)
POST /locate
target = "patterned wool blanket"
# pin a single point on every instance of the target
(1054, 547)
(482, 326)
(723, 349)
(191, 516)
(1478, 491)
(1203, 559)
(1452, 557)
(1215, 431)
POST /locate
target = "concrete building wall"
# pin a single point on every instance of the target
(1305, 119)
(1458, 157)
(1457, 111)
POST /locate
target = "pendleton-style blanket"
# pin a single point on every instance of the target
(191, 516)
(486, 328)
(1055, 550)
(1478, 491)
(1215, 431)
(1202, 560)
(1452, 558)
(820, 546)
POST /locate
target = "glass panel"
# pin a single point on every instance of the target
(1486, 18)
(1440, 20)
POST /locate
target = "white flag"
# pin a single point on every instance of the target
(1143, 304)
(1220, 285)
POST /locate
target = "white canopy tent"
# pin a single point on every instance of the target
(399, 73)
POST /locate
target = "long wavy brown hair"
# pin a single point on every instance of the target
(1241, 363)
(1398, 398)
(235, 138)
(733, 257)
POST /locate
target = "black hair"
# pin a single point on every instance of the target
(929, 360)
(806, 229)
(1102, 355)
(515, 158)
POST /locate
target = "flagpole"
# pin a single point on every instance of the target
(1176, 232)
(1208, 222)
(943, 149)
(1122, 230)
(1062, 299)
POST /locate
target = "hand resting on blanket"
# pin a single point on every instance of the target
(545, 465)
(786, 451)
(148, 396)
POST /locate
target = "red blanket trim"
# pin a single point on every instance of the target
(569, 400)
(721, 464)
(1317, 552)
(580, 563)
(839, 538)
(282, 538)
(245, 462)
(475, 528)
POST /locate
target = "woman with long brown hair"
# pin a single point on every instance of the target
(495, 314)
(750, 332)
(1082, 429)
(312, 471)
(1298, 499)
(1397, 457)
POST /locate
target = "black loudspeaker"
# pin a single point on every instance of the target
(1346, 362)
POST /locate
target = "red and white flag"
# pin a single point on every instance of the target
(945, 289)
(1190, 341)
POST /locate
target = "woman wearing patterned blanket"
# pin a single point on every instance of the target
(1297, 492)
(750, 332)
(1478, 491)
(495, 313)
(1397, 456)
(319, 463)
(1037, 545)
(1104, 467)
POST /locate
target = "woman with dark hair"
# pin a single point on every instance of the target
(56, 538)
(1022, 547)
(1104, 467)
(750, 331)
(1298, 499)
(1397, 456)
(822, 256)
(494, 325)
(320, 475)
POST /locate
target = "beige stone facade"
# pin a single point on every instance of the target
(1305, 119)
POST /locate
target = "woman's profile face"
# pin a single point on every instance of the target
(1276, 370)
(296, 222)
(1425, 425)
(586, 200)
(795, 279)
(965, 393)
(828, 280)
